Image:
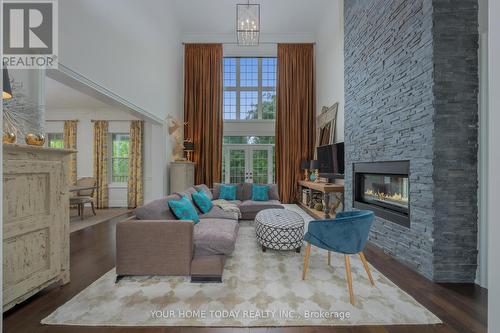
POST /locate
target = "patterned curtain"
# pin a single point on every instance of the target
(135, 174)
(203, 109)
(70, 128)
(295, 115)
(101, 163)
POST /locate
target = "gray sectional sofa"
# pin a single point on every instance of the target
(154, 242)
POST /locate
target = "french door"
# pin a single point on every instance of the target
(248, 163)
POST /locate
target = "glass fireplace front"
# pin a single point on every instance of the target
(384, 188)
(388, 191)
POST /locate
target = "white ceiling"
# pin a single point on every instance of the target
(277, 16)
(61, 96)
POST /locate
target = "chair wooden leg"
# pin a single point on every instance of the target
(329, 257)
(82, 209)
(77, 209)
(349, 278)
(367, 268)
(93, 207)
(306, 260)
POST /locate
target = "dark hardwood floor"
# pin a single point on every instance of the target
(462, 308)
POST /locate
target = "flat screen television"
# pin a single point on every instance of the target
(331, 160)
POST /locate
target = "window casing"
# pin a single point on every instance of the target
(249, 89)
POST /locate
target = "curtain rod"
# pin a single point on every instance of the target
(234, 43)
(62, 120)
(121, 120)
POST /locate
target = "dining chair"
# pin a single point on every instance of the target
(346, 234)
(84, 196)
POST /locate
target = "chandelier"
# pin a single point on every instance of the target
(248, 24)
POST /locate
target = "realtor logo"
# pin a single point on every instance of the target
(30, 34)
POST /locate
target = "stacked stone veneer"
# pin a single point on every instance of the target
(411, 84)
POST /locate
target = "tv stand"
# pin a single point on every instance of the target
(326, 189)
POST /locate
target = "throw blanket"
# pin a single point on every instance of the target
(227, 206)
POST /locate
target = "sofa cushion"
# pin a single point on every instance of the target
(273, 192)
(228, 192)
(188, 193)
(202, 201)
(215, 236)
(247, 191)
(218, 213)
(250, 206)
(216, 191)
(260, 192)
(184, 209)
(157, 209)
(204, 188)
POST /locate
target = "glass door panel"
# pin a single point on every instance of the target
(260, 166)
(248, 163)
(237, 166)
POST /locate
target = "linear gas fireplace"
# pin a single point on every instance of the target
(384, 188)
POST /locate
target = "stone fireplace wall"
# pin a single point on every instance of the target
(411, 94)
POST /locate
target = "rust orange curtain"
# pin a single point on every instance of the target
(295, 115)
(203, 109)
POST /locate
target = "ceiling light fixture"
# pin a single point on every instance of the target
(248, 24)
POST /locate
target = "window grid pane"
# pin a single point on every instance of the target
(269, 104)
(249, 72)
(229, 104)
(230, 72)
(248, 104)
(269, 72)
(119, 158)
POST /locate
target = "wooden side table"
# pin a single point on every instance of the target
(326, 189)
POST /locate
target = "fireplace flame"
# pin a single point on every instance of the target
(398, 197)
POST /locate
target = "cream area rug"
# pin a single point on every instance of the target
(258, 289)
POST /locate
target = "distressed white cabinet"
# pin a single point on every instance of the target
(181, 175)
(35, 220)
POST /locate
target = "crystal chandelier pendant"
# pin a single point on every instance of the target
(248, 24)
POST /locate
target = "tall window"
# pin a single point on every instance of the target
(249, 88)
(120, 143)
(55, 140)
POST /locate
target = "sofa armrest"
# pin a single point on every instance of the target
(154, 247)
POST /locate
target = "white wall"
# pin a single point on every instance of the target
(130, 48)
(119, 122)
(493, 166)
(330, 63)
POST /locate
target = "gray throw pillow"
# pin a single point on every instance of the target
(204, 188)
(157, 209)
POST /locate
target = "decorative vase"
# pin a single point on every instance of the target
(9, 137)
(35, 139)
(318, 207)
(312, 176)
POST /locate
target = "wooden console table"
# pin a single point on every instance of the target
(326, 189)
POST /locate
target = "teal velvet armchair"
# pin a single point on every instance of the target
(346, 234)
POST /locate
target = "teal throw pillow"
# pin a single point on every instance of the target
(260, 192)
(227, 192)
(183, 209)
(202, 201)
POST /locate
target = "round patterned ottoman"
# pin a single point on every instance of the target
(279, 229)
